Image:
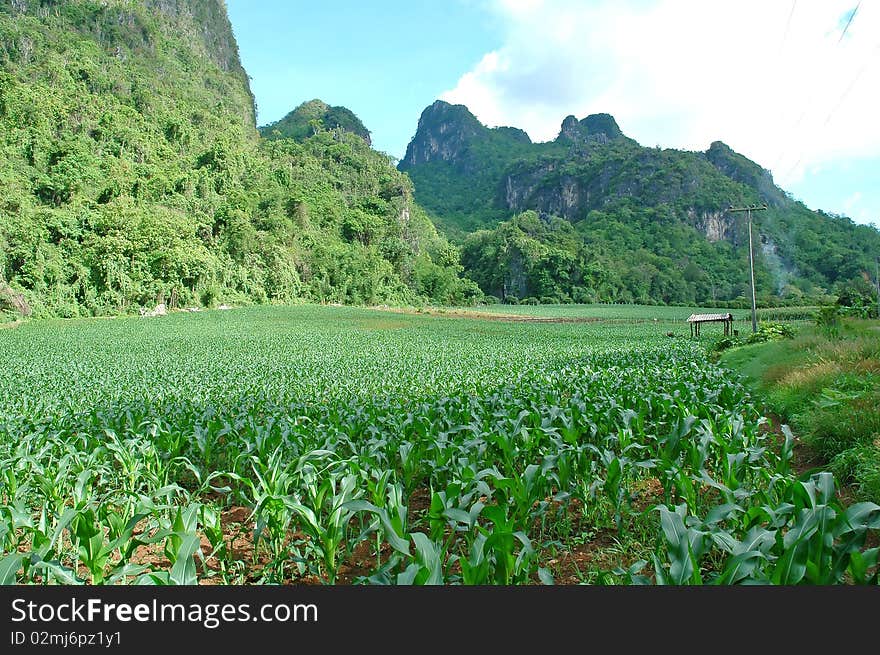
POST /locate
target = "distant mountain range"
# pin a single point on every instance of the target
(132, 170)
(654, 219)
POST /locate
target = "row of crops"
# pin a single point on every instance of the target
(331, 445)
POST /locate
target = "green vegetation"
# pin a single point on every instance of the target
(594, 216)
(825, 382)
(603, 260)
(343, 445)
(132, 174)
(642, 313)
(312, 117)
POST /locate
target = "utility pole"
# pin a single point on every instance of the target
(749, 209)
(877, 282)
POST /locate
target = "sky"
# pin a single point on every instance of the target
(793, 85)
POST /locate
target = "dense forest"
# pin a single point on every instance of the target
(132, 172)
(312, 117)
(594, 216)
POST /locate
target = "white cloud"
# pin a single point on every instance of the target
(777, 85)
(852, 200)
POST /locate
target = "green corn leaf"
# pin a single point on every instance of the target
(428, 556)
(56, 571)
(545, 576)
(721, 513)
(184, 570)
(681, 568)
(860, 516)
(740, 566)
(408, 576)
(791, 567)
(9, 567)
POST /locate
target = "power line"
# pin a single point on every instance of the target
(779, 59)
(787, 26)
(839, 102)
(849, 22)
(852, 84)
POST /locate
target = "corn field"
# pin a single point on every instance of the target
(325, 445)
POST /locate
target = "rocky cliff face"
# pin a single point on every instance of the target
(716, 225)
(135, 29)
(611, 189)
(444, 133)
(747, 172)
(492, 173)
(595, 128)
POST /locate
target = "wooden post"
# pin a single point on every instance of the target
(750, 209)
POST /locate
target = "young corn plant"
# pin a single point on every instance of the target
(270, 497)
(96, 545)
(499, 554)
(390, 523)
(324, 514)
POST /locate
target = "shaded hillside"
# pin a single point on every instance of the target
(311, 117)
(131, 170)
(654, 218)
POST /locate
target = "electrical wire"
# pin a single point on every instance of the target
(849, 22)
(840, 100)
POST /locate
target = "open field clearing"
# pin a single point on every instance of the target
(340, 445)
(621, 313)
(826, 383)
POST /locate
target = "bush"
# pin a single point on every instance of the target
(209, 296)
(771, 332)
(724, 343)
(584, 296)
(861, 467)
(828, 319)
(531, 300)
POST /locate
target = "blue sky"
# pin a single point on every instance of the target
(795, 86)
(385, 60)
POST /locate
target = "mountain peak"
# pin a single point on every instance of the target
(742, 169)
(313, 114)
(444, 130)
(596, 128)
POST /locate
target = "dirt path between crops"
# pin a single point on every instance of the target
(490, 316)
(804, 458)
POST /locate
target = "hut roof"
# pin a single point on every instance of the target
(702, 318)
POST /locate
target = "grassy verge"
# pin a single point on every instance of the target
(827, 386)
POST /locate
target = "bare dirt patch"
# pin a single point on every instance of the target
(488, 316)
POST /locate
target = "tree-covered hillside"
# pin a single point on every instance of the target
(131, 171)
(313, 116)
(635, 224)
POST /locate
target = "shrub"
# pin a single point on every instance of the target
(771, 332)
(828, 319)
(209, 296)
(724, 343)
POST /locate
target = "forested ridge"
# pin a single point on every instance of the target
(312, 117)
(593, 216)
(132, 172)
